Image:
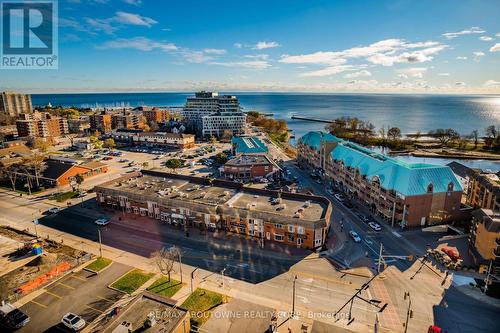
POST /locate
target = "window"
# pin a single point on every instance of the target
(291, 228)
(278, 226)
(278, 238)
(300, 230)
(450, 187)
(291, 238)
(430, 188)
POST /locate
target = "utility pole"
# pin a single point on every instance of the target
(222, 275)
(100, 242)
(293, 297)
(409, 312)
(393, 214)
(487, 280)
(380, 257)
(180, 263)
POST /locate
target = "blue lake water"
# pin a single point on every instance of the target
(411, 113)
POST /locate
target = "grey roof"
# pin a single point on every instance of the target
(460, 169)
(55, 169)
(490, 219)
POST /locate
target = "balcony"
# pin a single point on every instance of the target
(496, 253)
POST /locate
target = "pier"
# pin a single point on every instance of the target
(313, 119)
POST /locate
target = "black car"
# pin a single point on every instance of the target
(14, 320)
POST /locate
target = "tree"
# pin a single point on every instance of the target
(109, 143)
(445, 135)
(94, 140)
(145, 164)
(153, 126)
(11, 171)
(382, 134)
(165, 259)
(491, 131)
(475, 136)
(69, 113)
(220, 158)
(79, 180)
(36, 163)
(38, 143)
(394, 133)
(174, 163)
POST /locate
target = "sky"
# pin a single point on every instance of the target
(401, 46)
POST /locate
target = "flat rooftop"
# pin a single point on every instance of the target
(166, 315)
(220, 193)
(244, 160)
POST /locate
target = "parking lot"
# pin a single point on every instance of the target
(82, 293)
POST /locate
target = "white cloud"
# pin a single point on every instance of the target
(238, 45)
(328, 71)
(478, 55)
(415, 72)
(257, 56)
(265, 45)
(361, 73)
(133, 2)
(215, 51)
(253, 64)
(472, 30)
(133, 19)
(485, 38)
(461, 58)
(495, 48)
(460, 84)
(138, 43)
(444, 74)
(498, 34)
(492, 83)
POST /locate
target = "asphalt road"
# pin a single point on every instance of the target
(82, 293)
(241, 257)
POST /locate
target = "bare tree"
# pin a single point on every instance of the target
(9, 170)
(475, 136)
(165, 259)
(394, 133)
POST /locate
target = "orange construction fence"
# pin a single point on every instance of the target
(56, 271)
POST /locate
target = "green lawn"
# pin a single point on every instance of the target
(165, 288)
(99, 264)
(61, 197)
(131, 281)
(201, 301)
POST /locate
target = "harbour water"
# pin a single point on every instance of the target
(411, 113)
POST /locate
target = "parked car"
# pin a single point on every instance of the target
(364, 218)
(102, 221)
(375, 226)
(73, 321)
(54, 210)
(82, 194)
(11, 317)
(355, 237)
(339, 197)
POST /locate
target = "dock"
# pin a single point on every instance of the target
(313, 119)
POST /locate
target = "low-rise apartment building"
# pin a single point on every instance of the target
(156, 115)
(484, 239)
(484, 191)
(41, 125)
(290, 218)
(408, 194)
(127, 120)
(100, 122)
(251, 167)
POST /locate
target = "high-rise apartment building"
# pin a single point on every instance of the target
(214, 115)
(100, 122)
(42, 125)
(14, 104)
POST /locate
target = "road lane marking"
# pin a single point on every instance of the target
(90, 307)
(52, 294)
(39, 304)
(79, 278)
(397, 234)
(65, 285)
(104, 298)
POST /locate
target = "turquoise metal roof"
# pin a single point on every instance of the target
(248, 144)
(404, 178)
(314, 138)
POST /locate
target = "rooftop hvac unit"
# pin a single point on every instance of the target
(307, 204)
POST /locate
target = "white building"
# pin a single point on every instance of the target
(214, 115)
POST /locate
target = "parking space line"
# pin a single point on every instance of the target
(77, 277)
(90, 307)
(104, 298)
(39, 304)
(52, 294)
(65, 285)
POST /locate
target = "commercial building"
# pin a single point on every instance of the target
(100, 122)
(484, 239)
(484, 191)
(60, 173)
(248, 145)
(186, 201)
(214, 115)
(174, 140)
(41, 125)
(13, 104)
(408, 194)
(251, 167)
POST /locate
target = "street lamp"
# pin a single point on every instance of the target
(293, 297)
(409, 312)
